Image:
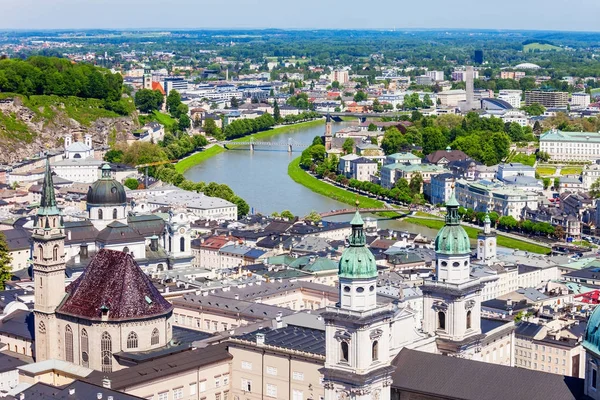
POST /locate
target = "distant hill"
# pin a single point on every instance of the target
(540, 45)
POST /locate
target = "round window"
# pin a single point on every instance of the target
(455, 264)
(360, 289)
(346, 288)
(444, 263)
(85, 357)
(372, 288)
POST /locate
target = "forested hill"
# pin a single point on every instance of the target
(43, 98)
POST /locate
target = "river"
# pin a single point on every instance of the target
(261, 178)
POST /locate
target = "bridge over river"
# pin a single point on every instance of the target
(289, 144)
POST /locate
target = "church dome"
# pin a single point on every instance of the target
(591, 340)
(106, 191)
(452, 239)
(357, 260)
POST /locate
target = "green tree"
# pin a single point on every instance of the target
(335, 85)
(184, 123)
(416, 182)
(595, 188)
(546, 182)
(287, 214)
(211, 129)
(393, 141)
(276, 112)
(348, 146)
(114, 156)
(433, 139)
(313, 217)
(372, 127)
(5, 262)
(173, 101)
(131, 183)
(557, 183)
(360, 96)
(234, 102)
(147, 100)
(534, 109)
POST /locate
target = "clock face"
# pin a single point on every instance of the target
(182, 230)
(481, 242)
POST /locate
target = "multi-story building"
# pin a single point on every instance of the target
(512, 97)
(339, 75)
(436, 76)
(441, 188)
(179, 84)
(451, 98)
(402, 158)
(571, 146)
(549, 99)
(392, 172)
(461, 75)
(494, 196)
(589, 175)
(515, 116)
(362, 169)
(580, 100)
(516, 75)
(424, 80)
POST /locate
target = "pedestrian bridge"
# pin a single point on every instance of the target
(290, 145)
(353, 210)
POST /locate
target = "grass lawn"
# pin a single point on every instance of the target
(188, 162)
(427, 215)
(333, 192)
(472, 232)
(571, 171)
(540, 46)
(545, 171)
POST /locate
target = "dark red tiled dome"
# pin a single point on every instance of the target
(113, 280)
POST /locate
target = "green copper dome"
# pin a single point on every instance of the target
(591, 340)
(452, 238)
(357, 261)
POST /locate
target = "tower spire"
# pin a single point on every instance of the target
(48, 202)
(452, 217)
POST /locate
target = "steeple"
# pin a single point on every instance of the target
(452, 217)
(48, 202)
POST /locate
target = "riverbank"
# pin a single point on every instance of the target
(502, 241)
(305, 179)
(186, 163)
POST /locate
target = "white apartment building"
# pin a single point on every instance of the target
(339, 75)
(512, 97)
(571, 146)
(589, 175)
(515, 116)
(580, 100)
(362, 169)
(494, 196)
(436, 76)
(451, 98)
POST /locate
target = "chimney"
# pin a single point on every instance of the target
(106, 382)
(236, 296)
(68, 235)
(278, 321)
(99, 396)
(71, 391)
(260, 339)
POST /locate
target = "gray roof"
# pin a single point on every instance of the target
(18, 323)
(81, 391)
(291, 338)
(446, 377)
(80, 232)
(527, 329)
(117, 232)
(10, 361)
(17, 239)
(225, 302)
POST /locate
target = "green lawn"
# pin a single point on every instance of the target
(545, 171)
(427, 215)
(333, 192)
(571, 171)
(188, 162)
(472, 232)
(540, 47)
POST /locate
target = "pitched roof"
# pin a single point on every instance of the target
(117, 232)
(158, 86)
(76, 390)
(456, 378)
(292, 338)
(18, 323)
(17, 239)
(450, 155)
(114, 280)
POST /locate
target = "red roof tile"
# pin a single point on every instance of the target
(158, 86)
(114, 280)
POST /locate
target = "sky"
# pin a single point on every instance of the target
(575, 15)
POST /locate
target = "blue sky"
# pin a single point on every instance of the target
(581, 15)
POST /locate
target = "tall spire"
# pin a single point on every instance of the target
(48, 202)
(452, 217)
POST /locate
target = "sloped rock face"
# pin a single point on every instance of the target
(34, 134)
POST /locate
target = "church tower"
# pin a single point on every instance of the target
(452, 299)
(328, 135)
(357, 330)
(48, 270)
(486, 242)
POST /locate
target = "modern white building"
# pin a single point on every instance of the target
(580, 100)
(512, 97)
(451, 98)
(571, 146)
(436, 76)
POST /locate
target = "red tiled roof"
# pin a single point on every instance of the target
(158, 86)
(114, 280)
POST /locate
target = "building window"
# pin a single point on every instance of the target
(225, 379)
(40, 253)
(246, 385)
(163, 396)
(202, 386)
(106, 353)
(178, 394)
(271, 371)
(298, 395)
(344, 352)
(100, 217)
(85, 348)
(594, 378)
(441, 320)
(155, 338)
(182, 244)
(298, 376)
(114, 213)
(218, 381)
(375, 351)
(55, 253)
(192, 389)
(246, 365)
(271, 390)
(132, 340)
(469, 319)
(68, 344)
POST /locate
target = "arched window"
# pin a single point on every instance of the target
(42, 327)
(55, 253)
(114, 213)
(100, 213)
(132, 340)
(375, 350)
(85, 349)
(106, 352)
(69, 344)
(182, 244)
(469, 319)
(344, 352)
(40, 253)
(441, 320)
(155, 338)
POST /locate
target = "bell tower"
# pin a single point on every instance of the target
(486, 242)
(48, 269)
(328, 135)
(357, 330)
